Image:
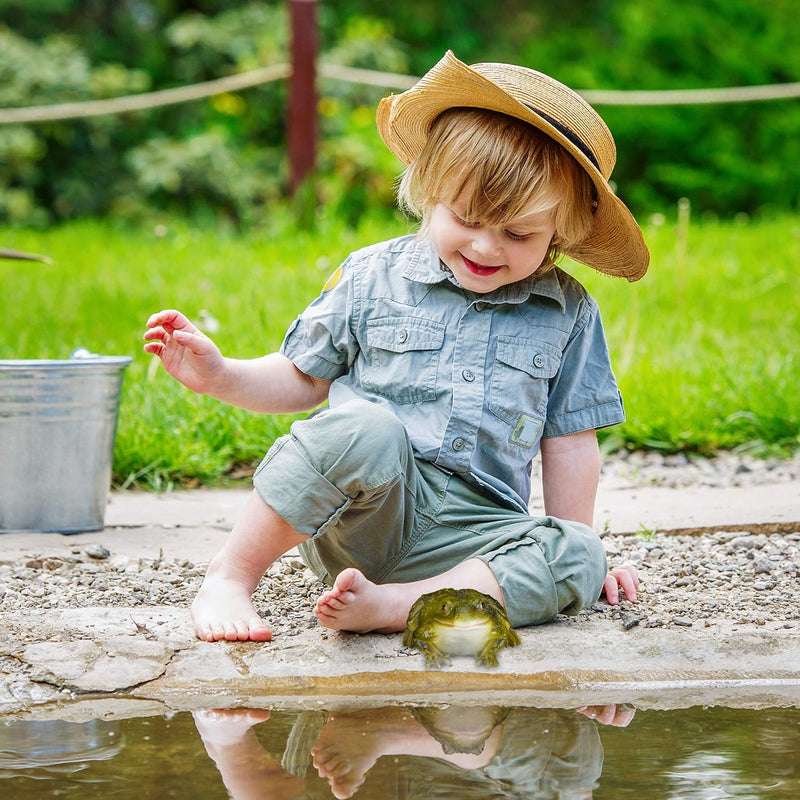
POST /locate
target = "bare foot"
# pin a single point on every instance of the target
(224, 727)
(246, 768)
(347, 748)
(356, 604)
(223, 610)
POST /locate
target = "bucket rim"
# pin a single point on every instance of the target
(65, 363)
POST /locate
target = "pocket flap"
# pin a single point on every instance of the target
(402, 334)
(539, 359)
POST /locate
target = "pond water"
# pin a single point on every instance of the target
(402, 752)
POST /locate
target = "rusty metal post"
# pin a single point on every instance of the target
(302, 111)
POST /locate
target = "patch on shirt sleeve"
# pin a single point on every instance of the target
(526, 431)
(333, 280)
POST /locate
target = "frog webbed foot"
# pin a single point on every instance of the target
(487, 656)
(434, 656)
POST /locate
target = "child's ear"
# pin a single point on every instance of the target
(553, 252)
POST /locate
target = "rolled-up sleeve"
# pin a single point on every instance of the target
(583, 393)
(320, 342)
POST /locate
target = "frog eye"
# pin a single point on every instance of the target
(445, 608)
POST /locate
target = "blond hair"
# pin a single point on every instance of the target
(498, 168)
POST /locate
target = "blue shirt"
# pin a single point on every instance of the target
(477, 379)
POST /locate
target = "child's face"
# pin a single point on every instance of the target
(485, 257)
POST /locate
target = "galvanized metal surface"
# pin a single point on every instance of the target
(58, 421)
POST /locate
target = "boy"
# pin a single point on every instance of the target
(448, 359)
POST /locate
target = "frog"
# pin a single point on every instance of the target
(461, 729)
(458, 622)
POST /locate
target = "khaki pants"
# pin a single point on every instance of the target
(348, 479)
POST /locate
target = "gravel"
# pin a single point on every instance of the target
(679, 470)
(700, 580)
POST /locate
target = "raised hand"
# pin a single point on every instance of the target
(185, 351)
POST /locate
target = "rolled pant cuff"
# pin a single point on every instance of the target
(559, 568)
(529, 594)
(296, 491)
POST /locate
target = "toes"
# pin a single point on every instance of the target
(330, 603)
(237, 631)
(217, 631)
(250, 630)
(204, 634)
(342, 601)
(346, 580)
(259, 633)
(324, 598)
(240, 631)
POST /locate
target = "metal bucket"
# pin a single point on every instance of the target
(58, 420)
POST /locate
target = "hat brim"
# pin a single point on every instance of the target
(615, 245)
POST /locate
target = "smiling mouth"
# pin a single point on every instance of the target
(465, 624)
(479, 269)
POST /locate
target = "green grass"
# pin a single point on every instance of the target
(705, 346)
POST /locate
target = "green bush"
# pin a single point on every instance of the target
(225, 156)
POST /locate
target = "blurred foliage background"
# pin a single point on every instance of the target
(224, 158)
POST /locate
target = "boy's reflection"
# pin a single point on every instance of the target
(444, 752)
(247, 769)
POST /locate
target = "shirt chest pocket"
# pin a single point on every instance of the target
(402, 358)
(521, 375)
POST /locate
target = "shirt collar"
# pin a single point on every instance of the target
(423, 265)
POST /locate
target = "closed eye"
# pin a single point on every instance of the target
(463, 222)
(516, 237)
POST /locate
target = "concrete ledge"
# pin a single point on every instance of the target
(150, 655)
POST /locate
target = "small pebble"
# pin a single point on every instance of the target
(762, 565)
(98, 551)
(629, 621)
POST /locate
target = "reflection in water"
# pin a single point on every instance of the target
(55, 746)
(408, 752)
(442, 752)
(700, 772)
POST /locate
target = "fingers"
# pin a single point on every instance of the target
(611, 589)
(625, 578)
(154, 348)
(628, 580)
(170, 319)
(165, 324)
(620, 716)
(159, 337)
(623, 716)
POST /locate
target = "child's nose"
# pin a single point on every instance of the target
(486, 243)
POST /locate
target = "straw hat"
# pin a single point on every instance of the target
(615, 245)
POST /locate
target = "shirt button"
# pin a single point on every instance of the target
(538, 361)
(468, 375)
(402, 335)
(480, 306)
(458, 444)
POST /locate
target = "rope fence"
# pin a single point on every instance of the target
(601, 97)
(386, 80)
(142, 102)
